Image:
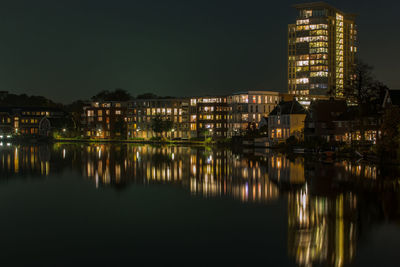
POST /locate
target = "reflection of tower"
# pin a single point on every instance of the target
(321, 229)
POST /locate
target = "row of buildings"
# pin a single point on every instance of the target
(195, 117)
(329, 120)
(322, 52)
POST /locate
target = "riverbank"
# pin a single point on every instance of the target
(144, 142)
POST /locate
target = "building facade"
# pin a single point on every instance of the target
(320, 120)
(249, 108)
(286, 120)
(209, 116)
(103, 120)
(322, 47)
(142, 112)
(32, 120)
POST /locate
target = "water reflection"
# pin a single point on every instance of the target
(329, 203)
(204, 172)
(322, 229)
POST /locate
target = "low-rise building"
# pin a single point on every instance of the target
(208, 116)
(38, 121)
(352, 126)
(248, 108)
(104, 120)
(287, 119)
(142, 112)
(320, 119)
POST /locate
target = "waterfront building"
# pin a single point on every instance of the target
(319, 122)
(103, 120)
(248, 108)
(208, 116)
(352, 126)
(35, 121)
(287, 119)
(322, 47)
(142, 112)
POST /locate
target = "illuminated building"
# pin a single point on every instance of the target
(104, 120)
(287, 119)
(142, 111)
(32, 121)
(350, 126)
(249, 108)
(208, 116)
(321, 50)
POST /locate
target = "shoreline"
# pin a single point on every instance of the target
(339, 156)
(147, 142)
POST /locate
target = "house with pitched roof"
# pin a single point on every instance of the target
(286, 120)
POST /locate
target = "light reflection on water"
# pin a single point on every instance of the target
(327, 201)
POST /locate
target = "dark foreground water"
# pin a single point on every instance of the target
(116, 205)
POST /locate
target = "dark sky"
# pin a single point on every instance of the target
(68, 50)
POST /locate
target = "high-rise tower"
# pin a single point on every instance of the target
(321, 50)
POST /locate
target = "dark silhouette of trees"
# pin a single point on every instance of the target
(147, 96)
(152, 96)
(390, 132)
(364, 88)
(119, 128)
(159, 126)
(116, 95)
(24, 100)
(251, 130)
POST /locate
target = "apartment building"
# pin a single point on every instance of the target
(322, 48)
(249, 108)
(287, 119)
(103, 120)
(141, 113)
(208, 116)
(32, 120)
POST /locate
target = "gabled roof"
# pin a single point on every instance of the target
(394, 96)
(288, 107)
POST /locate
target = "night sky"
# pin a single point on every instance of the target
(68, 50)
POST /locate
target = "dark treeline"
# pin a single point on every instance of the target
(23, 100)
(8, 99)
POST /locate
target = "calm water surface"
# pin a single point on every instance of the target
(116, 205)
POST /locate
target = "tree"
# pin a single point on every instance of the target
(24, 100)
(251, 129)
(390, 132)
(116, 95)
(362, 88)
(147, 96)
(159, 126)
(119, 127)
(367, 93)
